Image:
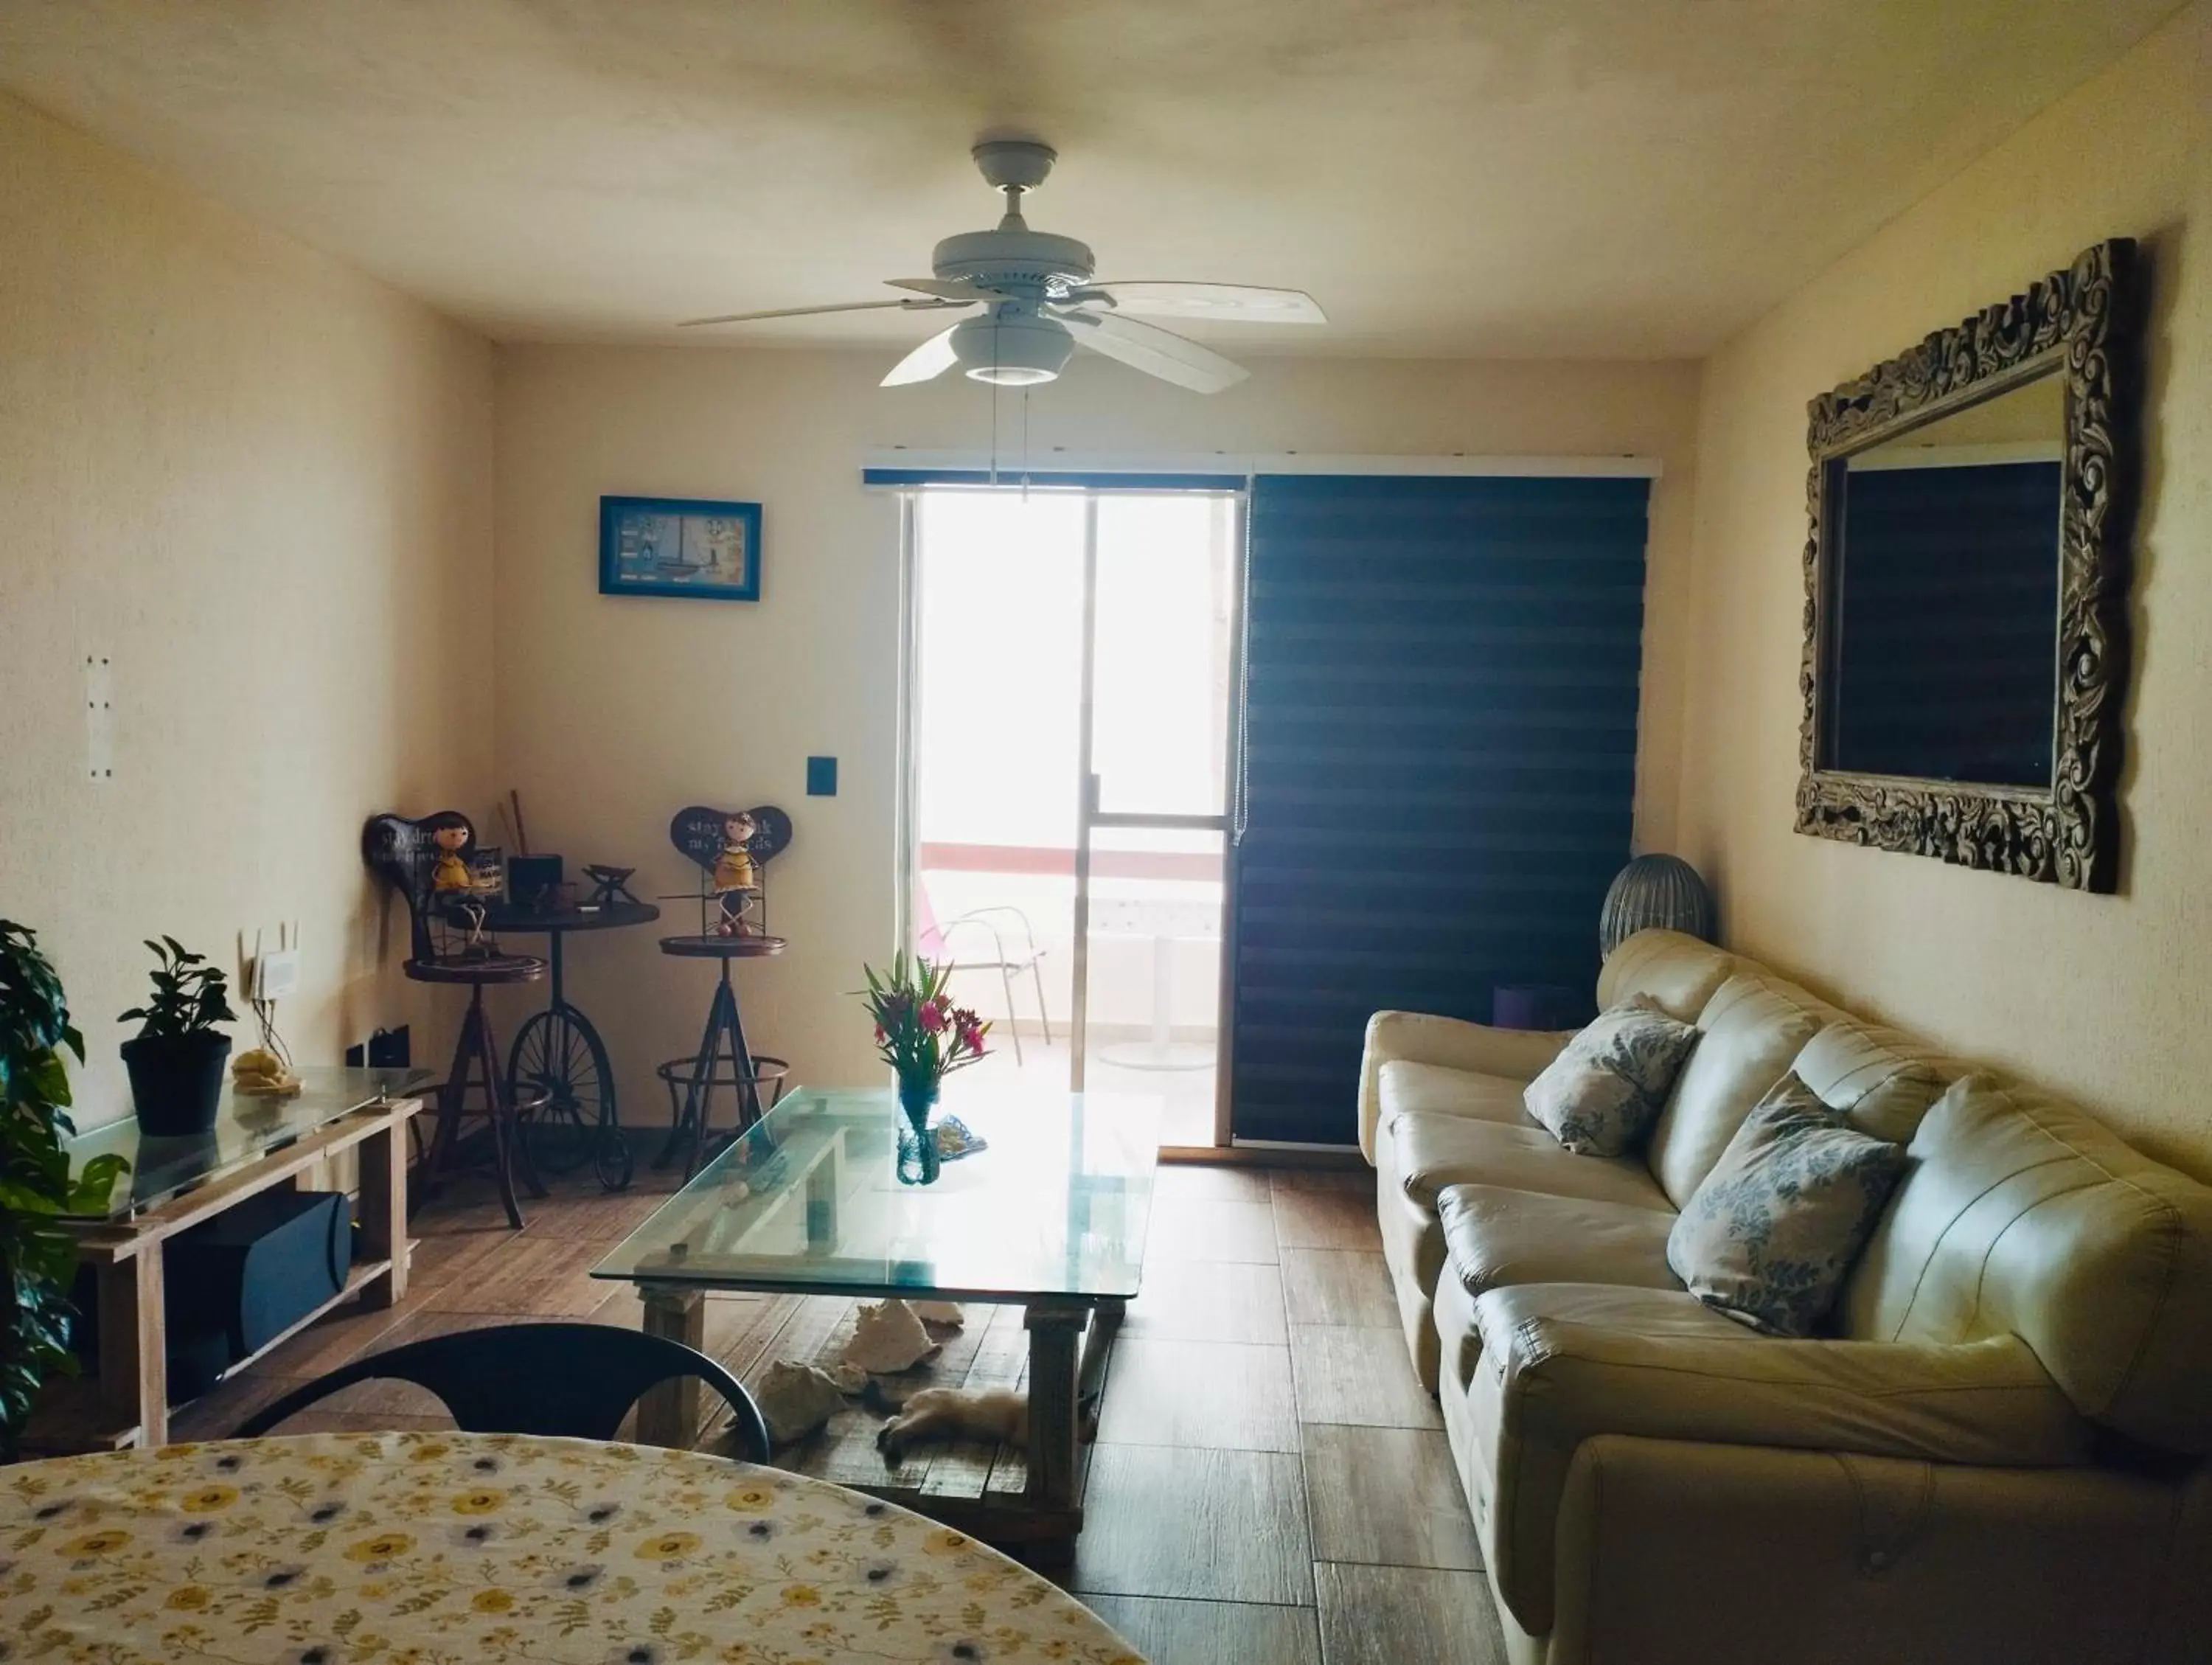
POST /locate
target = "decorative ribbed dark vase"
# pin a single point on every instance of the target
(919, 1162)
(1655, 890)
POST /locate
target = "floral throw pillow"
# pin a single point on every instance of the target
(1769, 1236)
(1600, 1095)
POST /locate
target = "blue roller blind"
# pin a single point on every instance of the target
(1440, 762)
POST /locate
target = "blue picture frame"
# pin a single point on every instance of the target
(690, 548)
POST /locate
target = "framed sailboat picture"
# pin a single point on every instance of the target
(681, 547)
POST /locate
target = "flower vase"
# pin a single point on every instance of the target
(918, 1160)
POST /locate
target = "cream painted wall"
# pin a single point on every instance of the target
(259, 482)
(614, 712)
(2102, 995)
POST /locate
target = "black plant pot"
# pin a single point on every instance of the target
(176, 1081)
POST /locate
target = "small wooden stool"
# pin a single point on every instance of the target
(725, 1029)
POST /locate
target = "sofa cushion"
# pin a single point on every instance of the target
(1600, 1095)
(1881, 1079)
(1494, 1237)
(1434, 1090)
(2020, 1215)
(1753, 1028)
(1675, 972)
(1771, 1233)
(1432, 1151)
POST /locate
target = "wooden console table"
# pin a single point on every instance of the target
(176, 1185)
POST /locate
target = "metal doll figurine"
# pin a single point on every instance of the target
(736, 876)
(457, 889)
(449, 876)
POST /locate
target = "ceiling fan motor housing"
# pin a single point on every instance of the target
(1015, 261)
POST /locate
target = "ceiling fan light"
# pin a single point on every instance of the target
(1018, 351)
(1012, 375)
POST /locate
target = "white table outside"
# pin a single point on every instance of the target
(1167, 920)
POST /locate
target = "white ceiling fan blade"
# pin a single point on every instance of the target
(959, 289)
(933, 358)
(1230, 303)
(809, 312)
(1156, 352)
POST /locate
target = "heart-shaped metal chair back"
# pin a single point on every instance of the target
(698, 832)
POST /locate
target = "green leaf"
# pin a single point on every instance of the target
(90, 1191)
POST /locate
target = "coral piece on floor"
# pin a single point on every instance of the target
(796, 1400)
(889, 1338)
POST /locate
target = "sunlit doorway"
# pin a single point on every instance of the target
(1071, 751)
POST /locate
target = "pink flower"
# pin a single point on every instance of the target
(933, 1015)
(880, 1037)
(972, 1038)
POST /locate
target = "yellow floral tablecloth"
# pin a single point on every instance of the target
(422, 1549)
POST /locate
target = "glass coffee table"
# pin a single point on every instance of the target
(1051, 1217)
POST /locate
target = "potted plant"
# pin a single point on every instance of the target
(924, 1038)
(38, 1259)
(176, 1059)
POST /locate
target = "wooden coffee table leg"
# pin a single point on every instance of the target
(1056, 1330)
(1097, 1344)
(668, 1414)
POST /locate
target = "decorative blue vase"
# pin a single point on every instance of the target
(919, 1163)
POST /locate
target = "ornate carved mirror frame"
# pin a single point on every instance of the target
(2078, 324)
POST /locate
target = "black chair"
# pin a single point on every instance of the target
(576, 1380)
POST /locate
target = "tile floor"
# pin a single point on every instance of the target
(1271, 1486)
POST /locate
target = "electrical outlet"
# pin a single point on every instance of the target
(276, 974)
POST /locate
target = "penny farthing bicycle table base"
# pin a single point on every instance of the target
(557, 1054)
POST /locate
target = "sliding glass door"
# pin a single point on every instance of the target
(1072, 747)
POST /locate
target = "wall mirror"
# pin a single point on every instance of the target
(1966, 587)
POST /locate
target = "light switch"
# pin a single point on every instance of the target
(821, 777)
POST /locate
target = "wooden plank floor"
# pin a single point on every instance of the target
(1270, 1486)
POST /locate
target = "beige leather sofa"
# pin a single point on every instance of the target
(1997, 1457)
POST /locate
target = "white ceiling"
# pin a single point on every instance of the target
(1511, 178)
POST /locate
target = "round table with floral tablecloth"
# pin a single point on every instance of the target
(337, 1549)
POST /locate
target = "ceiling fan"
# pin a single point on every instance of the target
(1032, 301)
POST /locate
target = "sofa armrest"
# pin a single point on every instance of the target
(1420, 1037)
(1673, 1553)
(1563, 1364)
